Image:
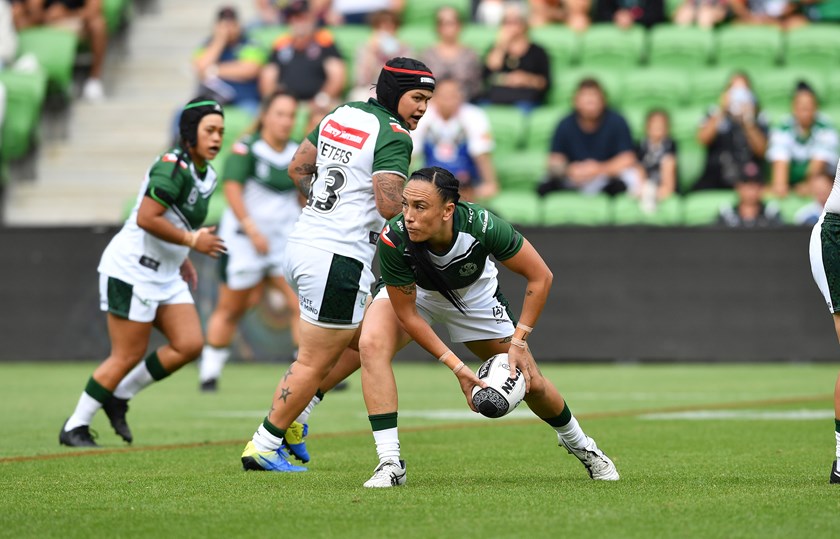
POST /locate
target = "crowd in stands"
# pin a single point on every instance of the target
(654, 102)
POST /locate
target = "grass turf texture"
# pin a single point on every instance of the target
(466, 477)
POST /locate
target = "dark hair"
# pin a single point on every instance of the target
(447, 187)
(266, 104)
(803, 86)
(657, 112)
(191, 115)
(589, 83)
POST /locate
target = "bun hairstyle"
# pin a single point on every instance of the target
(447, 187)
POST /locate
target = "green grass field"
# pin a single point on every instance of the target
(703, 451)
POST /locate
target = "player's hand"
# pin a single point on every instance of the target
(468, 380)
(260, 242)
(518, 359)
(208, 243)
(189, 274)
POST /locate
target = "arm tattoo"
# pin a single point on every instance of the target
(408, 289)
(302, 168)
(387, 189)
(529, 293)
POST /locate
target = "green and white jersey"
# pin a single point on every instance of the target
(465, 266)
(137, 257)
(789, 143)
(268, 191)
(353, 142)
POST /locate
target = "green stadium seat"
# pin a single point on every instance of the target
(684, 124)
(680, 46)
(703, 207)
(237, 122)
(424, 11)
(707, 86)
(570, 208)
(671, 7)
(790, 205)
(479, 38)
(775, 86)
(116, 13)
(833, 112)
(561, 44)
(635, 117)
(301, 120)
(517, 207)
(649, 88)
(55, 49)
(832, 77)
(606, 45)
(627, 211)
(691, 159)
(265, 36)
(418, 36)
(540, 126)
(24, 98)
(520, 170)
(349, 38)
(815, 45)
(748, 47)
(564, 85)
(507, 124)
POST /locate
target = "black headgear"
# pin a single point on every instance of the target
(399, 76)
(191, 116)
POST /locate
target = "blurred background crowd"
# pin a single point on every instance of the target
(551, 112)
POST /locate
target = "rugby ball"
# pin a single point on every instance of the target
(502, 393)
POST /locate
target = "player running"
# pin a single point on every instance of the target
(145, 275)
(435, 264)
(351, 168)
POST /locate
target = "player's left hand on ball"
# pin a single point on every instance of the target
(518, 359)
(468, 380)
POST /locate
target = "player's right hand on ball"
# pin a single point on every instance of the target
(209, 243)
(468, 380)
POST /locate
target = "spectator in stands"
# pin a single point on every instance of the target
(575, 13)
(81, 16)
(516, 70)
(820, 184)
(228, 64)
(305, 62)
(626, 13)
(592, 150)
(704, 13)
(359, 11)
(782, 13)
(657, 156)
(456, 135)
(381, 47)
(734, 133)
(750, 211)
(821, 10)
(804, 142)
(449, 58)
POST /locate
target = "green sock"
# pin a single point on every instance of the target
(383, 421)
(320, 395)
(562, 419)
(836, 423)
(155, 368)
(95, 390)
(274, 431)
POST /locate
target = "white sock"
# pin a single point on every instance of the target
(837, 437)
(303, 418)
(572, 434)
(265, 441)
(138, 379)
(387, 444)
(212, 362)
(84, 412)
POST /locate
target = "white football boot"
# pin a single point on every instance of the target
(599, 466)
(387, 474)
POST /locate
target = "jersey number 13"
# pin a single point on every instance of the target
(326, 200)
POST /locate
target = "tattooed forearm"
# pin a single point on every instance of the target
(306, 175)
(387, 189)
(408, 289)
(302, 169)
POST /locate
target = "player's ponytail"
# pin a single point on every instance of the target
(447, 187)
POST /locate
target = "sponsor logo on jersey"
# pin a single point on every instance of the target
(263, 170)
(467, 269)
(345, 135)
(240, 148)
(397, 128)
(172, 158)
(486, 220)
(193, 198)
(384, 237)
(498, 312)
(427, 80)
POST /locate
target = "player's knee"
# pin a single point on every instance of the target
(189, 347)
(538, 386)
(373, 350)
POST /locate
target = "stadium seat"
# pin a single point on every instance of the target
(790, 205)
(265, 36)
(478, 37)
(301, 119)
(540, 127)
(703, 207)
(570, 208)
(517, 207)
(832, 78)
(24, 98)
(424, 11)
(606, 45)
(565, 83)
(707, 86)
(680, 46)
(635, 117)
(691, 159)
(774, 87)
(520, 170)
(116, 13)
(748, 47)
(55, 49)
(816, 46)
(684, 124)
(348, 39)
(560, 43)
(833, 112)
(649, 88)
(507, 124)
(418, 36)
(627, 211)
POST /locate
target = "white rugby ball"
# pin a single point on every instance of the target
(502, 393)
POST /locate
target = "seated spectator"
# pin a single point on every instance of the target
(782, 13)
(592, 150)
(228, 64)
(381, 47)
(734, 133)
(516, 71)
(820, 184)
(305, 62)
(450, 58)
(81, 16)
(657, 155)
(704, 13)
(626, 13)
(821, 10)
(750, 211)
(575, 13)
(489, 12)
(456, 135)
(806, 141)
(359, 11)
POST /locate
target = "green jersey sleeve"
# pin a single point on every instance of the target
(392, 261)
(393, 151)
(239, 166)
(500, 238)
(164, 186)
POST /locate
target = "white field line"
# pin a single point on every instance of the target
(742, 415)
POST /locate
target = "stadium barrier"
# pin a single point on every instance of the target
(619, 294)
